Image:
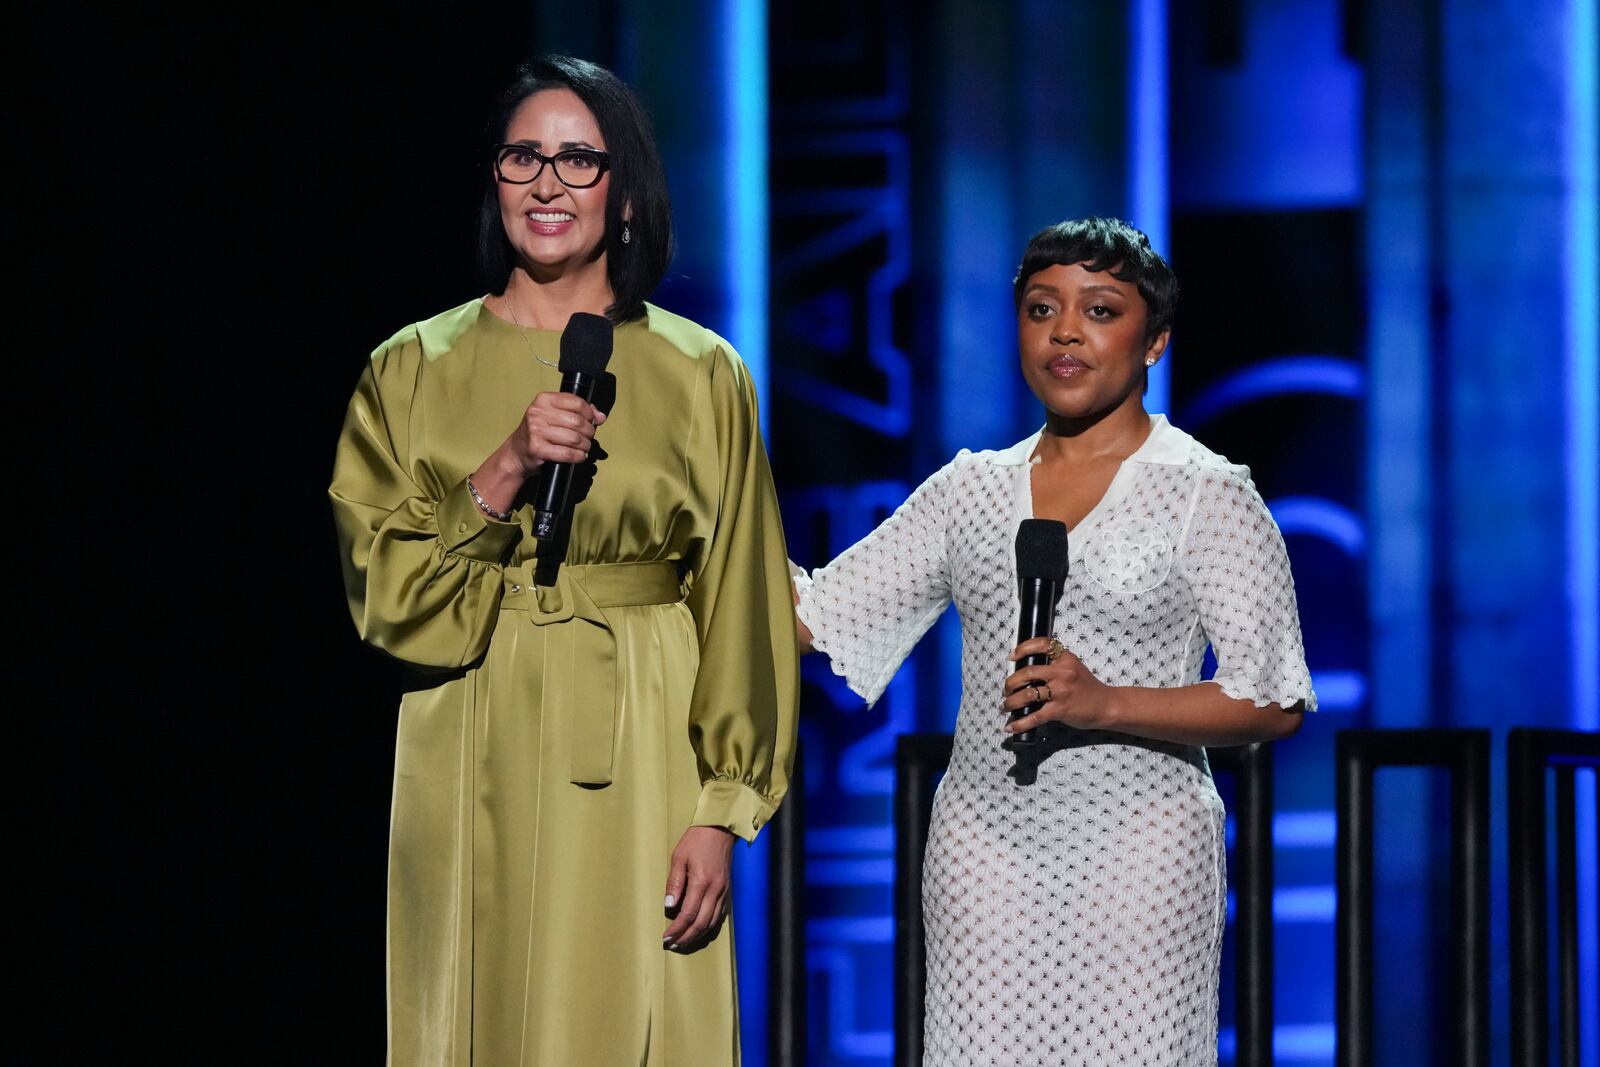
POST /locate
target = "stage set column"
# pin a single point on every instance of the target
(1011, 139)
(1482, 351)
(1481, 286)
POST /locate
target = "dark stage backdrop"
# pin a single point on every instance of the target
(225, 213)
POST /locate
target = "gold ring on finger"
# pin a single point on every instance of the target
(1054, 651)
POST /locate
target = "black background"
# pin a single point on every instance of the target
(221, 216)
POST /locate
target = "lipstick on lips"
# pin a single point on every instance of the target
(549, 223)
(1066, 367)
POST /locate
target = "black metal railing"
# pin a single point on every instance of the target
(786, 947)
(1530, 754)
(919, 760)
(1465, 754)
(1251, 876)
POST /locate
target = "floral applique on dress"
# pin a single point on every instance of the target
(1130, 555)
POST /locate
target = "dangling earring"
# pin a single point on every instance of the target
(627, 234)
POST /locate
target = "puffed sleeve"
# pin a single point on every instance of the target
(422, 565)
(743, 717)
(873, 603)
(1238, 570)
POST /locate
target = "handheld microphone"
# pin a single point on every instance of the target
(1041, 577)
(585, 351)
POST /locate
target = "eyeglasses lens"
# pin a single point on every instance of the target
(575, 169)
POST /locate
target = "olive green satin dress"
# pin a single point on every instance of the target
(563, 730)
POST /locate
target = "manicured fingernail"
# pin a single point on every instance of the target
(671, 900)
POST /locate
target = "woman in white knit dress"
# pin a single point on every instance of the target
(1078, 920)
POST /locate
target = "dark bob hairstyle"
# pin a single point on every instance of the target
(1109, 245)
(637, 180)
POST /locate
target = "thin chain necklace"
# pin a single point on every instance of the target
(524, 334)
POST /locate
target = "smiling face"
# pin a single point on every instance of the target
(555, 230)
(1081, 337)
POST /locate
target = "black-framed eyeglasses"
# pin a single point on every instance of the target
(576, 168)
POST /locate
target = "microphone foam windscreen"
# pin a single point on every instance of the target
(1042, 549)
(586, 344)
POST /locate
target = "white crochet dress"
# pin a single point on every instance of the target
(1076, 921)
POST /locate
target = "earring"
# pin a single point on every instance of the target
(1149, 363)
(627, 234)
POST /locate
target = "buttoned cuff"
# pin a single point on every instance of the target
(733, 806)
(467, 531)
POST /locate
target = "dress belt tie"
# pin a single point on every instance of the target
(582, 638)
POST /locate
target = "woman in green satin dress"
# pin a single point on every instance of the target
(591, 721)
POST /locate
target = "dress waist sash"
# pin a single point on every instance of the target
(582, 638)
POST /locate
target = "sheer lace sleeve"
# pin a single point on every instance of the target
(871, 605)
(1239, 573)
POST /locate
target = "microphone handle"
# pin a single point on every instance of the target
(1039, 599)
(555, 479)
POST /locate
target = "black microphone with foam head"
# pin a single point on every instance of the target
(1041, 578)
(585, 351)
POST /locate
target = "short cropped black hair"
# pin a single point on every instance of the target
(638, 181)
(1109, 245)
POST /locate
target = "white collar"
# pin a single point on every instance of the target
(1166, 444)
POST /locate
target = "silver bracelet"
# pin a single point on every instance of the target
(483, 506)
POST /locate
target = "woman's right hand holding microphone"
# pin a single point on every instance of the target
(556, 428)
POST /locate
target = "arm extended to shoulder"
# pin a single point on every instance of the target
(868, 608)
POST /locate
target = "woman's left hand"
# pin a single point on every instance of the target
(1070, 694)
(698, 884)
